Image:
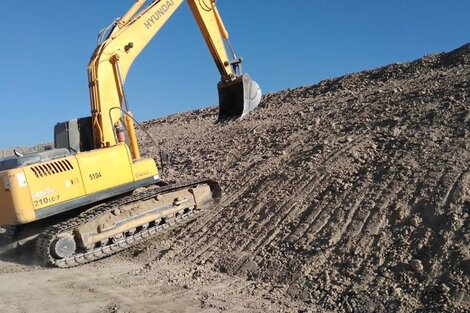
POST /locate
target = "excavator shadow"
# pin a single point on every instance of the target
(20, 254)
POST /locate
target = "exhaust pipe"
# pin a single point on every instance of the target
(238, 97)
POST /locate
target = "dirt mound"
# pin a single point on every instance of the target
(4, 153)
(352, 194)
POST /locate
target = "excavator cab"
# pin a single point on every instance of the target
(238, 97)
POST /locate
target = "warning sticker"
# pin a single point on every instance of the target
(6, 183)
(21, 179)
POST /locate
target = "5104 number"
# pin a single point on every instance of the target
(95, 176)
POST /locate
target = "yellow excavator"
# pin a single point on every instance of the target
(93, 195)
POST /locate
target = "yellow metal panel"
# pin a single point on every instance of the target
(105, 168)
(15, 200)
(30, 188)
(7, 209)
(54, 182)
(144, 168)
(212, 29)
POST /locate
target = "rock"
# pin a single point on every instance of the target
(467, 117)
(356, 155)
(415, 221)
(417, 265)
(445, 288)
(397, 292)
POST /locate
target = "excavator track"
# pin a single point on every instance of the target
(66, 231)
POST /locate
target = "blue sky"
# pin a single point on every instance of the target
(46, 45)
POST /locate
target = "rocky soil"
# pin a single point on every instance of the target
(352, 195)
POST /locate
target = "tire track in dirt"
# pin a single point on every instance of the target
(269, 188)
(358, 233)
(271, 228)
(346, 192)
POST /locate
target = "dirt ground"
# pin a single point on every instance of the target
(352, 195)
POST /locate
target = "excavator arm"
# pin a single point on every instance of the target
(124, 41)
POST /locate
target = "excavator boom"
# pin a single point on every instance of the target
(238, 94)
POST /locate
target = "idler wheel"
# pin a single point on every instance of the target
(63, 246)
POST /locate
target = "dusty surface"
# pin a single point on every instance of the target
(352, 195)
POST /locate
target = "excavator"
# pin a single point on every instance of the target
(92, 194)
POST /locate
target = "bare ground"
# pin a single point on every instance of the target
(352, 195)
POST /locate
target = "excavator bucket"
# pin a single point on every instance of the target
(238, 97)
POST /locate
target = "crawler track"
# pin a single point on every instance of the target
(46, 238)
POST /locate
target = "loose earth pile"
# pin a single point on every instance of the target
(354, 193)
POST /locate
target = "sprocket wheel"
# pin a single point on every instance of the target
(63, 246)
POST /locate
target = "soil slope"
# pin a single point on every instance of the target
(352, 195)
(354, 192)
